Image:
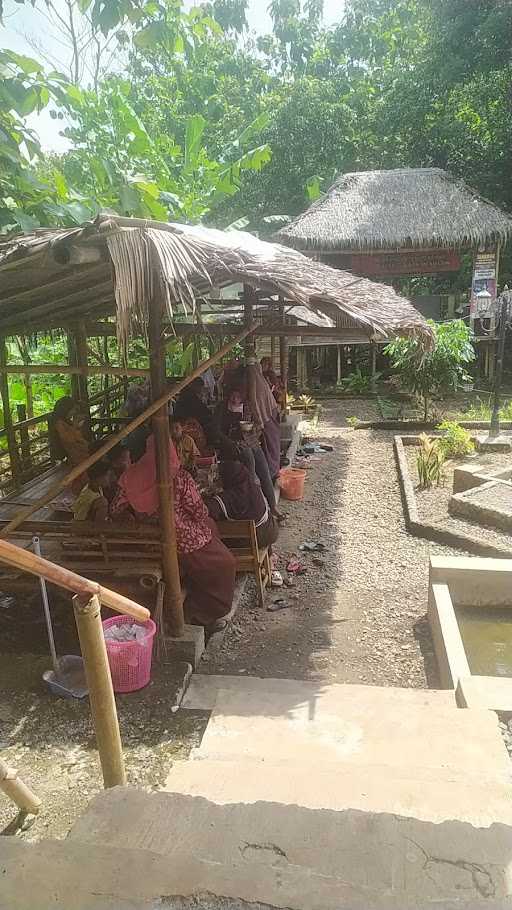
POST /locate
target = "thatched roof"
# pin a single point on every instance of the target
(118, 265)
(411, 207)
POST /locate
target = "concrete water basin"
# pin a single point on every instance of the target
(470, 615)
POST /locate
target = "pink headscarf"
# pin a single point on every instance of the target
(139, 480)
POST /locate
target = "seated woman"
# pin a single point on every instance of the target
(237, 444)
(67, 438)
(186, 448)
(91, 503)
(207, 566)
(242, 500)
(195, 417)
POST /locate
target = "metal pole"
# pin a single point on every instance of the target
(494, 429)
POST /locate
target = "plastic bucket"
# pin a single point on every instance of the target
(291, 481)
(130, 661)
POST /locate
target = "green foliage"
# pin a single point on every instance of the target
(428, 373)
(353, 422)
(429, 462)
(456, 440)
(358, 382)
(306, 402)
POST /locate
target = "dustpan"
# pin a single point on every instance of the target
(68, 675)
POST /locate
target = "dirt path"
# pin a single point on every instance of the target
(361, 617)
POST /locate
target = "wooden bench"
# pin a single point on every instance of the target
(241, 538)
(122, 550)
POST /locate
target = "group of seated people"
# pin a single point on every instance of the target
(241, 430)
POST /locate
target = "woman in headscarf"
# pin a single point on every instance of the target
(265, 413)
(67, 439)
(193, 414)
(207, 567)
(239, 444)
(242, 499)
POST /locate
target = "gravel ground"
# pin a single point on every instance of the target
(360, 617)
(50, 741)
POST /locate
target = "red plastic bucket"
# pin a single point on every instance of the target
(130, 661)
(291, 481)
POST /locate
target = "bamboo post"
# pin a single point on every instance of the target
(109, 444)
(173, 602)
(21, 413)
(72, 361)
(101, 694)
(14, 456)
(82, 360)
(249, 298)
(373, 357)
(283, 356)
(16, 790)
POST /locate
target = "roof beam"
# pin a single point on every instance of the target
(99, 329)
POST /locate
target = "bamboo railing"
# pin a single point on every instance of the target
(86, 605)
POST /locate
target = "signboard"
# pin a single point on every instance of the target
(414, 262)
(483, 287)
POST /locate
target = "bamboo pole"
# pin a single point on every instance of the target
(16, 790)
(101, 694)
(173, 603)
(283, 355)
(82, 360)
(14, 456)
(67, 369)
(109, 444)
(27, 561)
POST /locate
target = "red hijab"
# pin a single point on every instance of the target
(139, 480)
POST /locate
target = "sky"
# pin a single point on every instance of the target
(24, 26)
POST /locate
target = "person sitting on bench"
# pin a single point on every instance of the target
(185, 447)
(207, 567)
(242, 499)
(67, 438)
(91, 504)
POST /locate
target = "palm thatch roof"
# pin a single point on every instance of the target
(410, 207)
(122, 266)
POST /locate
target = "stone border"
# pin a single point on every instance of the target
(426, 530)
(429, 425)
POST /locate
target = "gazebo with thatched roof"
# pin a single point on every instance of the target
(131, 278)
(420, 214)
(405, 222)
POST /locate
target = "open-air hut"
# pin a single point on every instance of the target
(134, 278)
(398, 223)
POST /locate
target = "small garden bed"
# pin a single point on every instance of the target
(426, 510)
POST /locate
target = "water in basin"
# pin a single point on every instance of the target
(487, 636)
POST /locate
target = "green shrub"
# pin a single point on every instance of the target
(429, 462)
(353, 422)
(456, 441)
(358, 381)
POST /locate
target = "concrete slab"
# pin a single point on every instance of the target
(203, 691)
(493, 443)
(352, 725)
(488, 504)
(63, 875)
(428, 794)
(189, 647)
(384, 853)
(491, 692)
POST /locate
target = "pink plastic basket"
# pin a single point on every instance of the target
(130, 661)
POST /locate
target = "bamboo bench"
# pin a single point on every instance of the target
(123, 550)
(241, 538)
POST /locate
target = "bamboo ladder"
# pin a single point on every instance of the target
(88, 596)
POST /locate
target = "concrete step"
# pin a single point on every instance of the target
(352, 726)
(419, 793)
(203, 690)
(282, 856)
